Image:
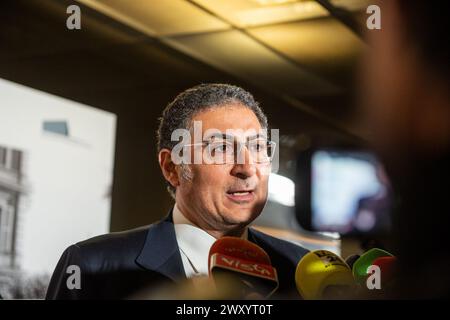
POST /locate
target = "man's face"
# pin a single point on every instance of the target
(225, 196)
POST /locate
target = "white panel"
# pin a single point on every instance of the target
(68, 179)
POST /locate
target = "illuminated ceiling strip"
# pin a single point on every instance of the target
(343, 16)
(111, 12)
(260, 42)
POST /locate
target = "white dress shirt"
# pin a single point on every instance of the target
(194, 244)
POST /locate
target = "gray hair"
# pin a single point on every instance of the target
(178, 114)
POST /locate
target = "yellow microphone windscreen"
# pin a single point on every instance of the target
(320, 270)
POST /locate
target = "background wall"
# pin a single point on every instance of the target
(67, 179)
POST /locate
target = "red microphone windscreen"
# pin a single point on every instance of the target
(241, 249)
(388, 268)
(245, 259)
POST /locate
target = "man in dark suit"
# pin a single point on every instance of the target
(218, 176)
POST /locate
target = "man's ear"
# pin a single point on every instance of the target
(168, 168)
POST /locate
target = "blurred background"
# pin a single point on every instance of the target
(79, 110)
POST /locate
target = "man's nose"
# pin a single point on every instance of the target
(246, 168)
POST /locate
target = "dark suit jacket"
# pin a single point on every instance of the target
(117, 265)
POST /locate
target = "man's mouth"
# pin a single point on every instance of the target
(241, 195)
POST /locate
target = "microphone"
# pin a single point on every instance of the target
(321, 274)
(247, 266)
(350, 261)
(367, 259)
(388, 269)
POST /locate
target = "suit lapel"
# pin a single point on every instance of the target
(160, 252)
(277, 255)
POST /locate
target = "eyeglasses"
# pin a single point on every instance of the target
(229, 152)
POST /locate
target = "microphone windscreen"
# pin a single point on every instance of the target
(388, 269)
(239, 248)
(246, 262)
(365, 261)
(321, 273)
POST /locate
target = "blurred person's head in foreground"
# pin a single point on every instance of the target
(407, 105)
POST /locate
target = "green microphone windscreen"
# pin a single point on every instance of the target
(365, 261)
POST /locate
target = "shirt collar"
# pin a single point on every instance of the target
(193, 241)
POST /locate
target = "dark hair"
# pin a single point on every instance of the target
(179, 113)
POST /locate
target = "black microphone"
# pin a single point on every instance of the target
(351, 259)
